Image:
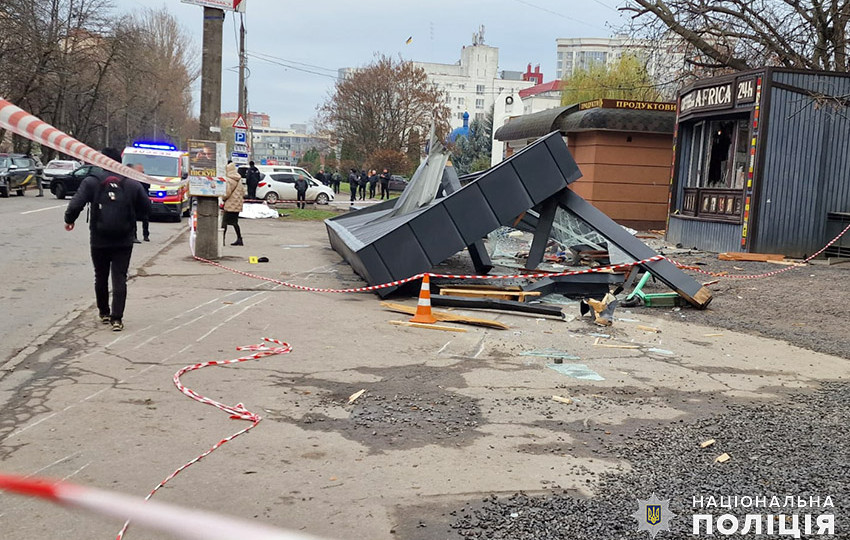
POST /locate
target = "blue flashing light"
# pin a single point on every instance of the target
(154, 146)
(160, 194)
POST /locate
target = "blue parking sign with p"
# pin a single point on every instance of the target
(240, 137)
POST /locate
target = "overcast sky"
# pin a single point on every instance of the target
(317, 37)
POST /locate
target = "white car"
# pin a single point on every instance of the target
(281, 187)
(58, 167)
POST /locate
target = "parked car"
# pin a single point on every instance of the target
(58, 167)
(397, 183)
(17, 172)
(68, 184)
(281, 187)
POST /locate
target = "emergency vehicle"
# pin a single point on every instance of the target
(163, 161)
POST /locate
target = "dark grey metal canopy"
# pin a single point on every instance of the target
(571, 120)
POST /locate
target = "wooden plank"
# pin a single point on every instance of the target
(664, 270)
(481, 293)
(428, 326)
(751, 257)
(447, 317)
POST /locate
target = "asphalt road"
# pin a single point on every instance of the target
(46, 270)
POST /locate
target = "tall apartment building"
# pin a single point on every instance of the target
(473, 83)
(664, 59)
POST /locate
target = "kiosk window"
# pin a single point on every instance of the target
(717, 169)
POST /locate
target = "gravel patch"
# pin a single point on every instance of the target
(788, 447)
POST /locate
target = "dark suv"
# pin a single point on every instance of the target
(68, 184)
(18, 171)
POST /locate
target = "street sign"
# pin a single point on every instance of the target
(240, 158)
(240, 148)
(228, 5)
(240, 136)
(240, 123)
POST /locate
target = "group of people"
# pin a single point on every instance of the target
(330, 179)
(359, 182)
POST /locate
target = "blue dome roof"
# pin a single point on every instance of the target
(463, 131)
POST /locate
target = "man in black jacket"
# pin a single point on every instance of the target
(301, 189)
(252, 178)
(385, 184)
(353, 183)
(110, 250)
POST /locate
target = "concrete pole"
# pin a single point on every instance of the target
(206, 244)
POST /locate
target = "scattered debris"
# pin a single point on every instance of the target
(356, 395)
(564, 400)
(750, 257)
(428, 326)
(447, 317)
(706, 444)
(615, 345)
(648, 329)
(603, 311)
(722, 458)
(550, 353)
(576, 371)
(664, 352)
(712, 335)
(597, 335)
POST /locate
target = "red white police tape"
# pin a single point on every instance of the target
(176, 521)
(600, 269)
(236, 412)
(18, 121)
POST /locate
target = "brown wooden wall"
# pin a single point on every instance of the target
(625, 175)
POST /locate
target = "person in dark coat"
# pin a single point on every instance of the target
(385, 184)
(353, 182)
(373, 182)
(110, 252)
(252, 179)
(362, 181)
(301, 188)
(322, 178)
(337, 180)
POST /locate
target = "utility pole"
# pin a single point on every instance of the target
(206, 244)
(242, 62)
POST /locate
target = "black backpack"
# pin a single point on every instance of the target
(113, 212)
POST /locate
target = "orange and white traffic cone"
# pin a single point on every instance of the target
(423, 309)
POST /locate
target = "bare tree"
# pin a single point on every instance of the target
(745, 34)
(101, 79)
(379, 106)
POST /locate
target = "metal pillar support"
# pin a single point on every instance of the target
(541, 234)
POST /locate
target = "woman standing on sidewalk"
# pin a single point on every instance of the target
(232, 203)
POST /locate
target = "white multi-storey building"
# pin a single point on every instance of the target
(664, 59)
(472, 84)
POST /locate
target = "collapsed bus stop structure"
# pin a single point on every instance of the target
(412, 234)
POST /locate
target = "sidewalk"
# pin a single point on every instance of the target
(447, 418)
